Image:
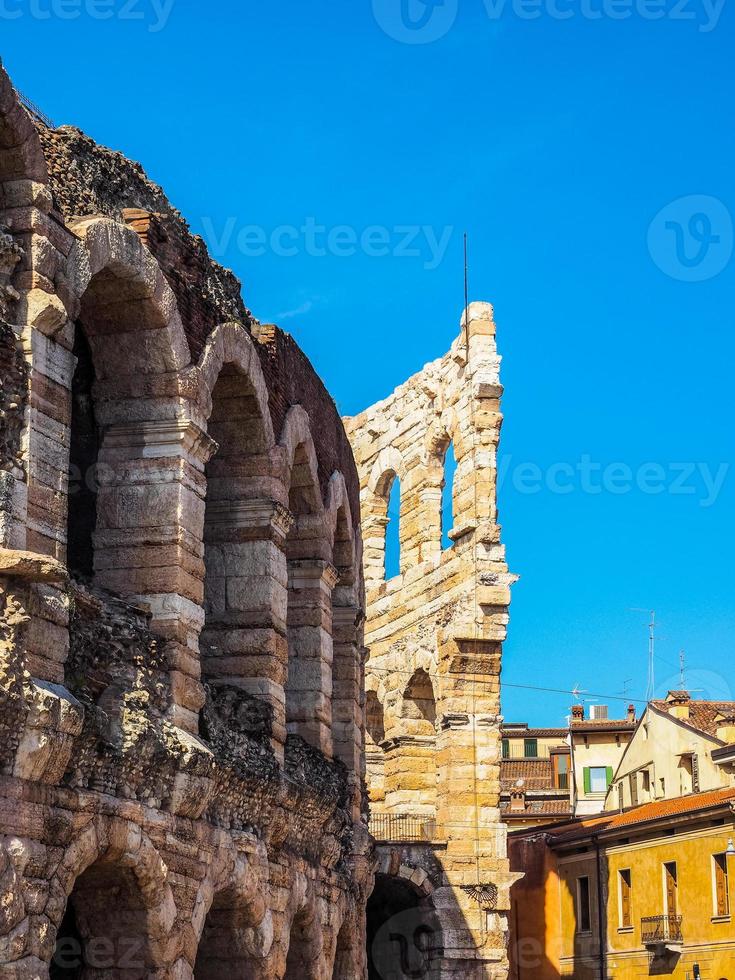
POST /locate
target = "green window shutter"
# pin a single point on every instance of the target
(609, 776)
(587, 780)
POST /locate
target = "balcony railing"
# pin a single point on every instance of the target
(402, 827)
(662, 930)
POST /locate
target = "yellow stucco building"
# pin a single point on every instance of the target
(646, 892)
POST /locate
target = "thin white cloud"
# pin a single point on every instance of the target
(298, 311)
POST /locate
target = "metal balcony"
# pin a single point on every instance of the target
(662, 932)
(402, 827)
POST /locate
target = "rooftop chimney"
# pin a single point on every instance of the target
(678, 702)
(578, 712)
(726, 727)
(518, 797)
(631, 713)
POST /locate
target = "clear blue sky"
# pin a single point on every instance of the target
(555, 144)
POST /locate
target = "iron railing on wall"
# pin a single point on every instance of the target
(662, 930)
(35, 110)
(402, 827)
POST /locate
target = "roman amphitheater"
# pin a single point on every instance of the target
(230, 746)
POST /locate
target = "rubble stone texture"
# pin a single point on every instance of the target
(181, 693)
(435, 634)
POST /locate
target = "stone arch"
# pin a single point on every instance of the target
(404, 934)
(128, 309)
(311, 581)
(305, 945)
(347, 618)
(340, 528)
(127, 332)
(231, 344)
(232, 923)
(419, 703)
(388, 468)
(374, 720)
(116, 904)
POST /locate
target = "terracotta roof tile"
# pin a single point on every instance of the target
(702, 714)
(659, 810)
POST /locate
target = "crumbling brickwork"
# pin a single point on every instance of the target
(181, 693)
(435, 634)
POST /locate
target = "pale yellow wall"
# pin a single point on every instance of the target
(657, 747)
(601, 749)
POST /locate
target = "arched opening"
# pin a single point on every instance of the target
(404, 939)
(419, 703)
(348, 957)
(222, 951)
(105, 928)
(311, 580)
(447, 511)
(393, 528)
(121, 335)
(374, 719)
(240, 557)
(304, 948)
(84, 451)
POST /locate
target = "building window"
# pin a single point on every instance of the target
(506, 748)
(621, 795)
(626, 897)
(633, 778)
(597, 779)
(584, 909)
(530, 748)
(562, 772)
(722, 886)
(671, 888)
(647, 783)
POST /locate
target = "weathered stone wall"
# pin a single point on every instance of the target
(181, 722)
(435, 634)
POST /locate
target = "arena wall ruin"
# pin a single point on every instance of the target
(181, 601)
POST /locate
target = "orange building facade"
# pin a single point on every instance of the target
(646, 892)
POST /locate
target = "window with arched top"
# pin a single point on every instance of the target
(393, 529)
(374, 719)
(447, 512)
(419, 703)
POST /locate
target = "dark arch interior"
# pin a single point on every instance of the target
(404, 939)
(83, 454)
(374, 717)
(104, 931)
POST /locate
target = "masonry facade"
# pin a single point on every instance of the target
(181, 600)
(435, 632)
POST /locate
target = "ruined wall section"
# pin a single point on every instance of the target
(435, 634)
(150, 762)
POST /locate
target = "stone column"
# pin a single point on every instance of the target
(348, 696)
(310, 652)
(475, 901)
(148, 542)
(244, 639)
(410, 775)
